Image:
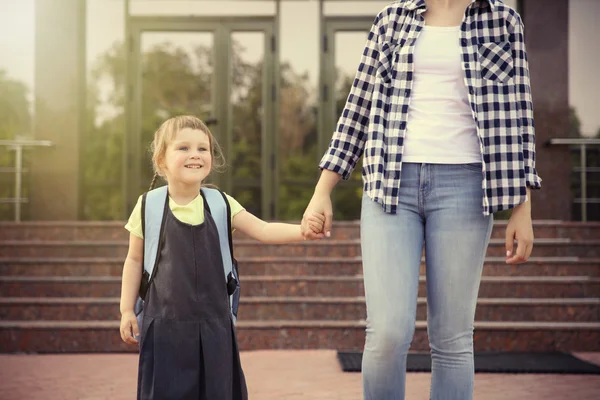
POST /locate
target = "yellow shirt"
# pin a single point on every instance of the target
(192, 213)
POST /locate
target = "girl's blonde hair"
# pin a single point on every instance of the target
(165, 134)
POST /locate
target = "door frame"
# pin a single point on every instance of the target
(221, 28)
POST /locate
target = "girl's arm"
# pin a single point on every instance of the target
(132, 273)
(130, 286)
(273, 232)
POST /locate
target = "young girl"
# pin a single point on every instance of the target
(188, 348)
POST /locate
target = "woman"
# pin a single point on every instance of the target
(441, 108)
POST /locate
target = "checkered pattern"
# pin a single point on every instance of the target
(497, 78)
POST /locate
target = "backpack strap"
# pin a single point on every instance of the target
(154, 205)
(219, 209)
(217, 204)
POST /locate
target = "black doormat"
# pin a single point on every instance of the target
(513, 363)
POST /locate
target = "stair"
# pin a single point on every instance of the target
(60, 287)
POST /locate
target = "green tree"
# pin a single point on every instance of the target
(102, 160)
(297, 143)
(574, 123)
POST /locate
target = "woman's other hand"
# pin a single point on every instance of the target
(520, 228)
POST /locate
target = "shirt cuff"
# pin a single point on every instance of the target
(532, 180)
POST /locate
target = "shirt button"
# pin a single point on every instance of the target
(463, 42)
(407, 93)
(466, 65)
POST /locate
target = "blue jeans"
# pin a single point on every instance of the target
(440, 208)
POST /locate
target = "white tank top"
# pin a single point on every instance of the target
(440, 128)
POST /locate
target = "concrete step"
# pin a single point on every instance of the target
(304, 308)
(103, 336)
(354, 308)
(114, 230)
(298, 266)
(315, 286)
(250, 248)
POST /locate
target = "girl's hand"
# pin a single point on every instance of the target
(315, 222)
(129, 328)
(519, 228)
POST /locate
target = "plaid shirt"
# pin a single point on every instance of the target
(497, 78)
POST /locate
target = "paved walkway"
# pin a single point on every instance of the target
(271, 375)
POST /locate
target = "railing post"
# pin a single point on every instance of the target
(18, 145)
(18, 180)
(583, 174)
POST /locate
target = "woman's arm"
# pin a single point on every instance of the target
(348, 140)
(524, 101)
(520, 225)
(273, 232)
(320, 204)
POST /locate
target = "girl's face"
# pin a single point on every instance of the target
(188, 158)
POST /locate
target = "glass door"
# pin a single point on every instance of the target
(220, 70)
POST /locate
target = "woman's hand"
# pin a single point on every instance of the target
(129, 328)
(316, 222)
(520, 228)
(319, 205)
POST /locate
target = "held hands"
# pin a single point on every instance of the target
(314, 222)
(519, 228)
(129, 328)
(320, 205)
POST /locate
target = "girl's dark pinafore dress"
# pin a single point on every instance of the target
(189, 348)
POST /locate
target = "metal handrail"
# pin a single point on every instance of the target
(17, 145)
(582, 143)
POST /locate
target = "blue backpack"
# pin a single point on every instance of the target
(154, 205)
